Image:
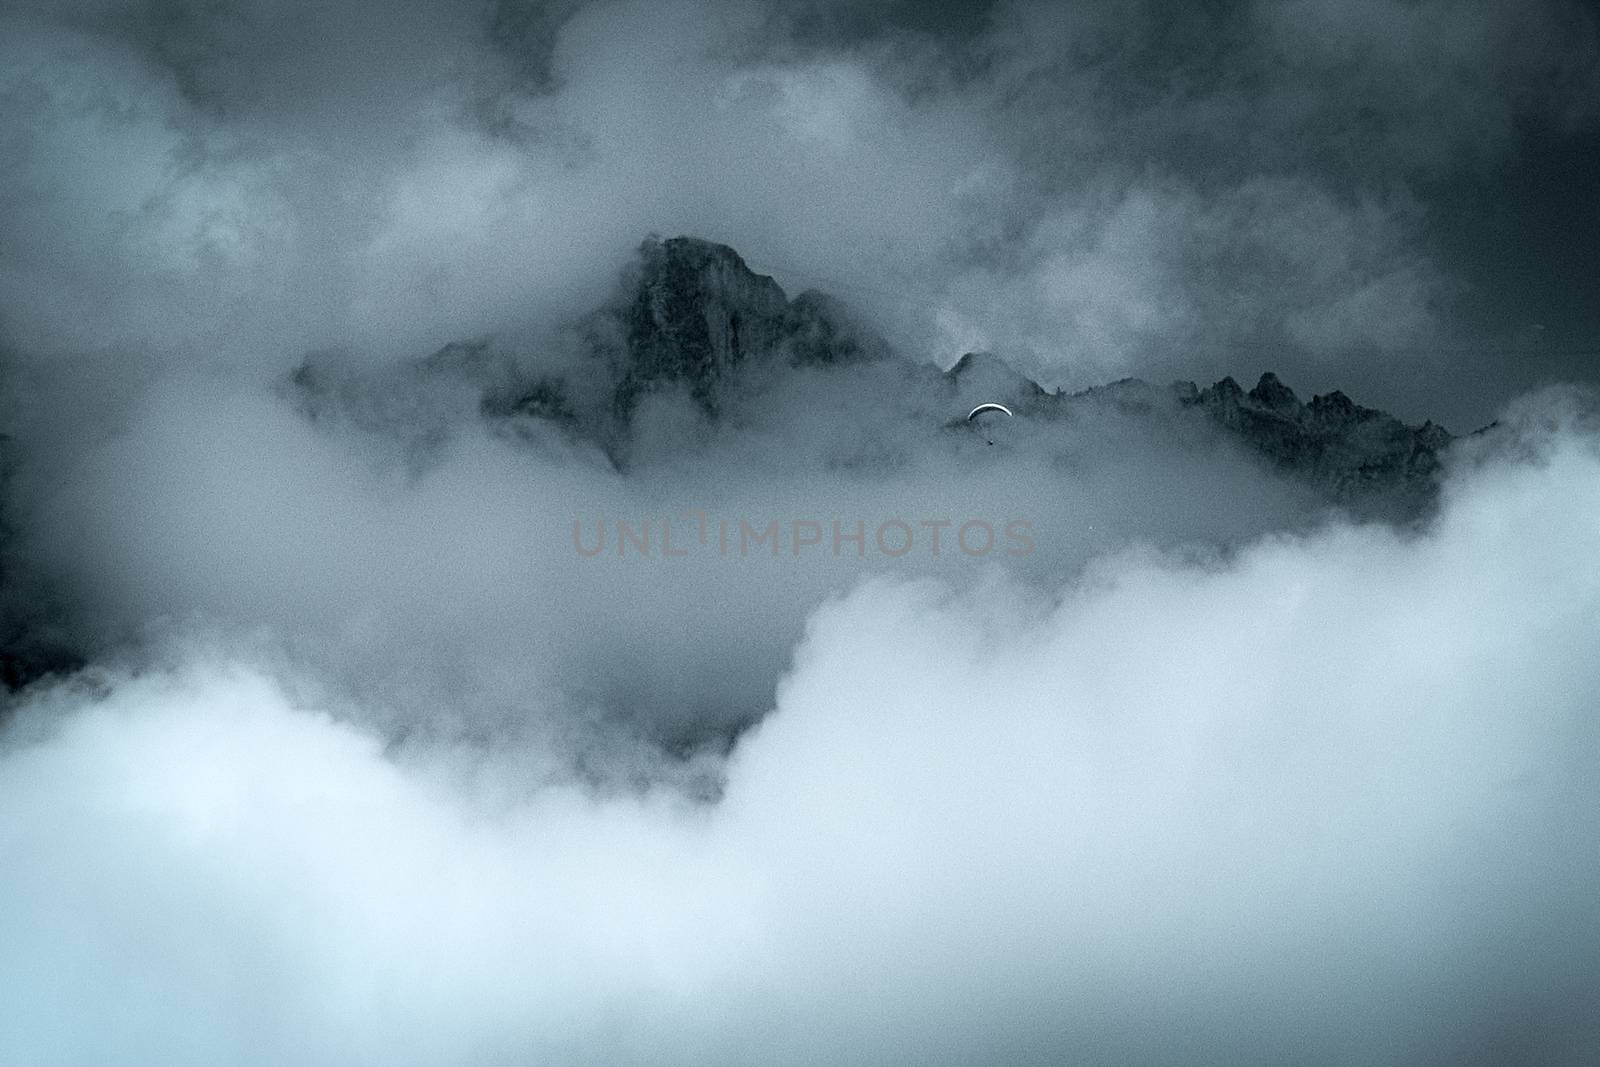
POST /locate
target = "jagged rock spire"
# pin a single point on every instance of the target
(696, 312)
(1354, 451)
(1273, 394)
(692, 312)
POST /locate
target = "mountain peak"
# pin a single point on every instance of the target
(691, 312)
(1354, 451)
(695, 312)
(694, 260)
(1272, 393)
(980, 377)
(690, 315)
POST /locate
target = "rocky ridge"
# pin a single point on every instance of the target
(692, 314)
(1349, 449)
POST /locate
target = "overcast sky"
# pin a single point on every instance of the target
(1392, 199)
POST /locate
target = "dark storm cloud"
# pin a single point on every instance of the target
(1093, 189)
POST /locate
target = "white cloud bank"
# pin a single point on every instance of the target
(1332, 801)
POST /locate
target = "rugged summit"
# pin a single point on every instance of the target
(691, 315)
(984, 376)
(696, 313)
(692, 312)
(1348, 449)
(1355, 455)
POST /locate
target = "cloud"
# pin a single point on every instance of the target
(1094, 191)
(1309, 802)
(370, 761)
(427, 556)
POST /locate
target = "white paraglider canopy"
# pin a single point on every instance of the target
(972, 416)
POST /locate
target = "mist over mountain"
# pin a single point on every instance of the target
(509, 553)
(691, 318)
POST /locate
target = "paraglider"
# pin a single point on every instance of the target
(983, 408)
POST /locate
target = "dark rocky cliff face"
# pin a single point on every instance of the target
(691, 313)
(696, 313)
(1350, 450)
